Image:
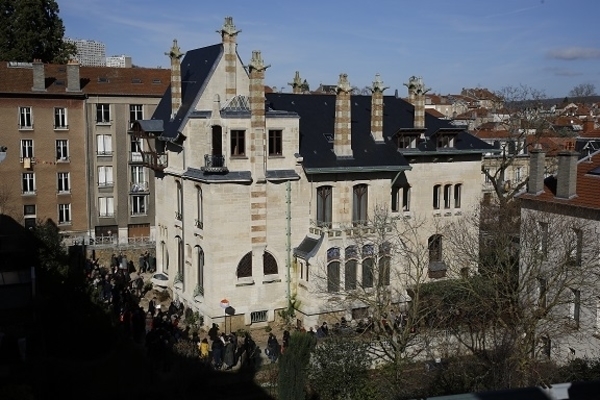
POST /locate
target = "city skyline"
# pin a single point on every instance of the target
(548, 45)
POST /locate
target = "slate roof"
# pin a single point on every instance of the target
(317, 114)
(196, 68)
(147, 82)
(586, 188)
(308, 247)
(282, 175)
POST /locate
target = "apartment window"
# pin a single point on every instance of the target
(25, 118)
(275, 142)
(105, 176)
(106, 206)
(447, 195)
(350, 274)
(139, 182)
(258, 316)
(359, 204)
(138, 204)
(445, 141)
(324, 206)
(457, 195)
(63, 183)
(269, 264)
(180, 259)
(199, 208)
(333, 277)
(436, 196)
(238, 143)
(28, 183)
(244, 268)
(575, 306)
(518, 174)
(29, 216)
(27, 148)
(62, 150)
(135, 113)
(64, 214)
(200, 269)
(103, 113)
(60, 118)
(542, 292)
(104, 144)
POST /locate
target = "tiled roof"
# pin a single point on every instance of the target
(151, 82)
(587, 186)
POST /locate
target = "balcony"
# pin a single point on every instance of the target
(136, 157)
(214, 164)
(139, 187)
(155, 161)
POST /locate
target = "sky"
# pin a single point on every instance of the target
(547, 45)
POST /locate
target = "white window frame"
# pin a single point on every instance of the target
(64, 214)
(26, 148)
(437, 197)
(199, 208)
(104, 143)
(103, 114)
(139, 182)
(136, 112)
(139, 205)
(105, 176)
(62, 150)
(60, 118)
(457, 195)
(106, 207)
(63, 182)
(28, 183)
(25, 118)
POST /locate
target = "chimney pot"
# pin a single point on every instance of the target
(566, 178)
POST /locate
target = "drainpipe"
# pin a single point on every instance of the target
(288, 233)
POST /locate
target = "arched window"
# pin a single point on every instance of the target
(333, 277)
(199, 209)
(367, 266)
(360, 201)
(436, 196)
(179, 210)
(447, 195)
(384, 266)
(435, 248)
(351, 264)
(269, 264)
(324, 204)
(180, 256)
(164, 257)
(457, 195)
(200, 269)
(244, 268)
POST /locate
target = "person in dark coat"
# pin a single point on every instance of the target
(217, 352)
(229, 358)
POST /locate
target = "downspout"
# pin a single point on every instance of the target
(288, 233)
(91, 166)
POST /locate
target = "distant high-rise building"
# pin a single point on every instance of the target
(121, 61)
(89, 52)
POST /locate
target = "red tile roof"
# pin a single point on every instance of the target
(587, 186)
(94, 80)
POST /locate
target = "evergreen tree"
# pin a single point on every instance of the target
(293, 365)
(32, 29)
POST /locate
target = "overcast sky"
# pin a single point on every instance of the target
(550, 45)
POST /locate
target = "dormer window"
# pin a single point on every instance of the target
(445, 141)
(406, 141)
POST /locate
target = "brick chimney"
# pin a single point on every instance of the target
(589, 126)
(39, 76)
(175, 54)
(228, 37)
(258, 139)
(377, 109)
(566, 177)
(416, 96)
(537, 162)
(342, 138)
(73, 84)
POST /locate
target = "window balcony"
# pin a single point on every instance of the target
(155, 161)
(139, 187)
(214, 163)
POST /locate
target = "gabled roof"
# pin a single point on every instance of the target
(317, 115)
(109, 81)
(196, 67)
(586, 188)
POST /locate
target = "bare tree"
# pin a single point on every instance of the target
(518, 110)
(527, 298)
(583, 90)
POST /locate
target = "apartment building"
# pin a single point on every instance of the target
(260, 197)
(89, 52)
(69, 156)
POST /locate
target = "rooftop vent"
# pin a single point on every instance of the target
(103, 79)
